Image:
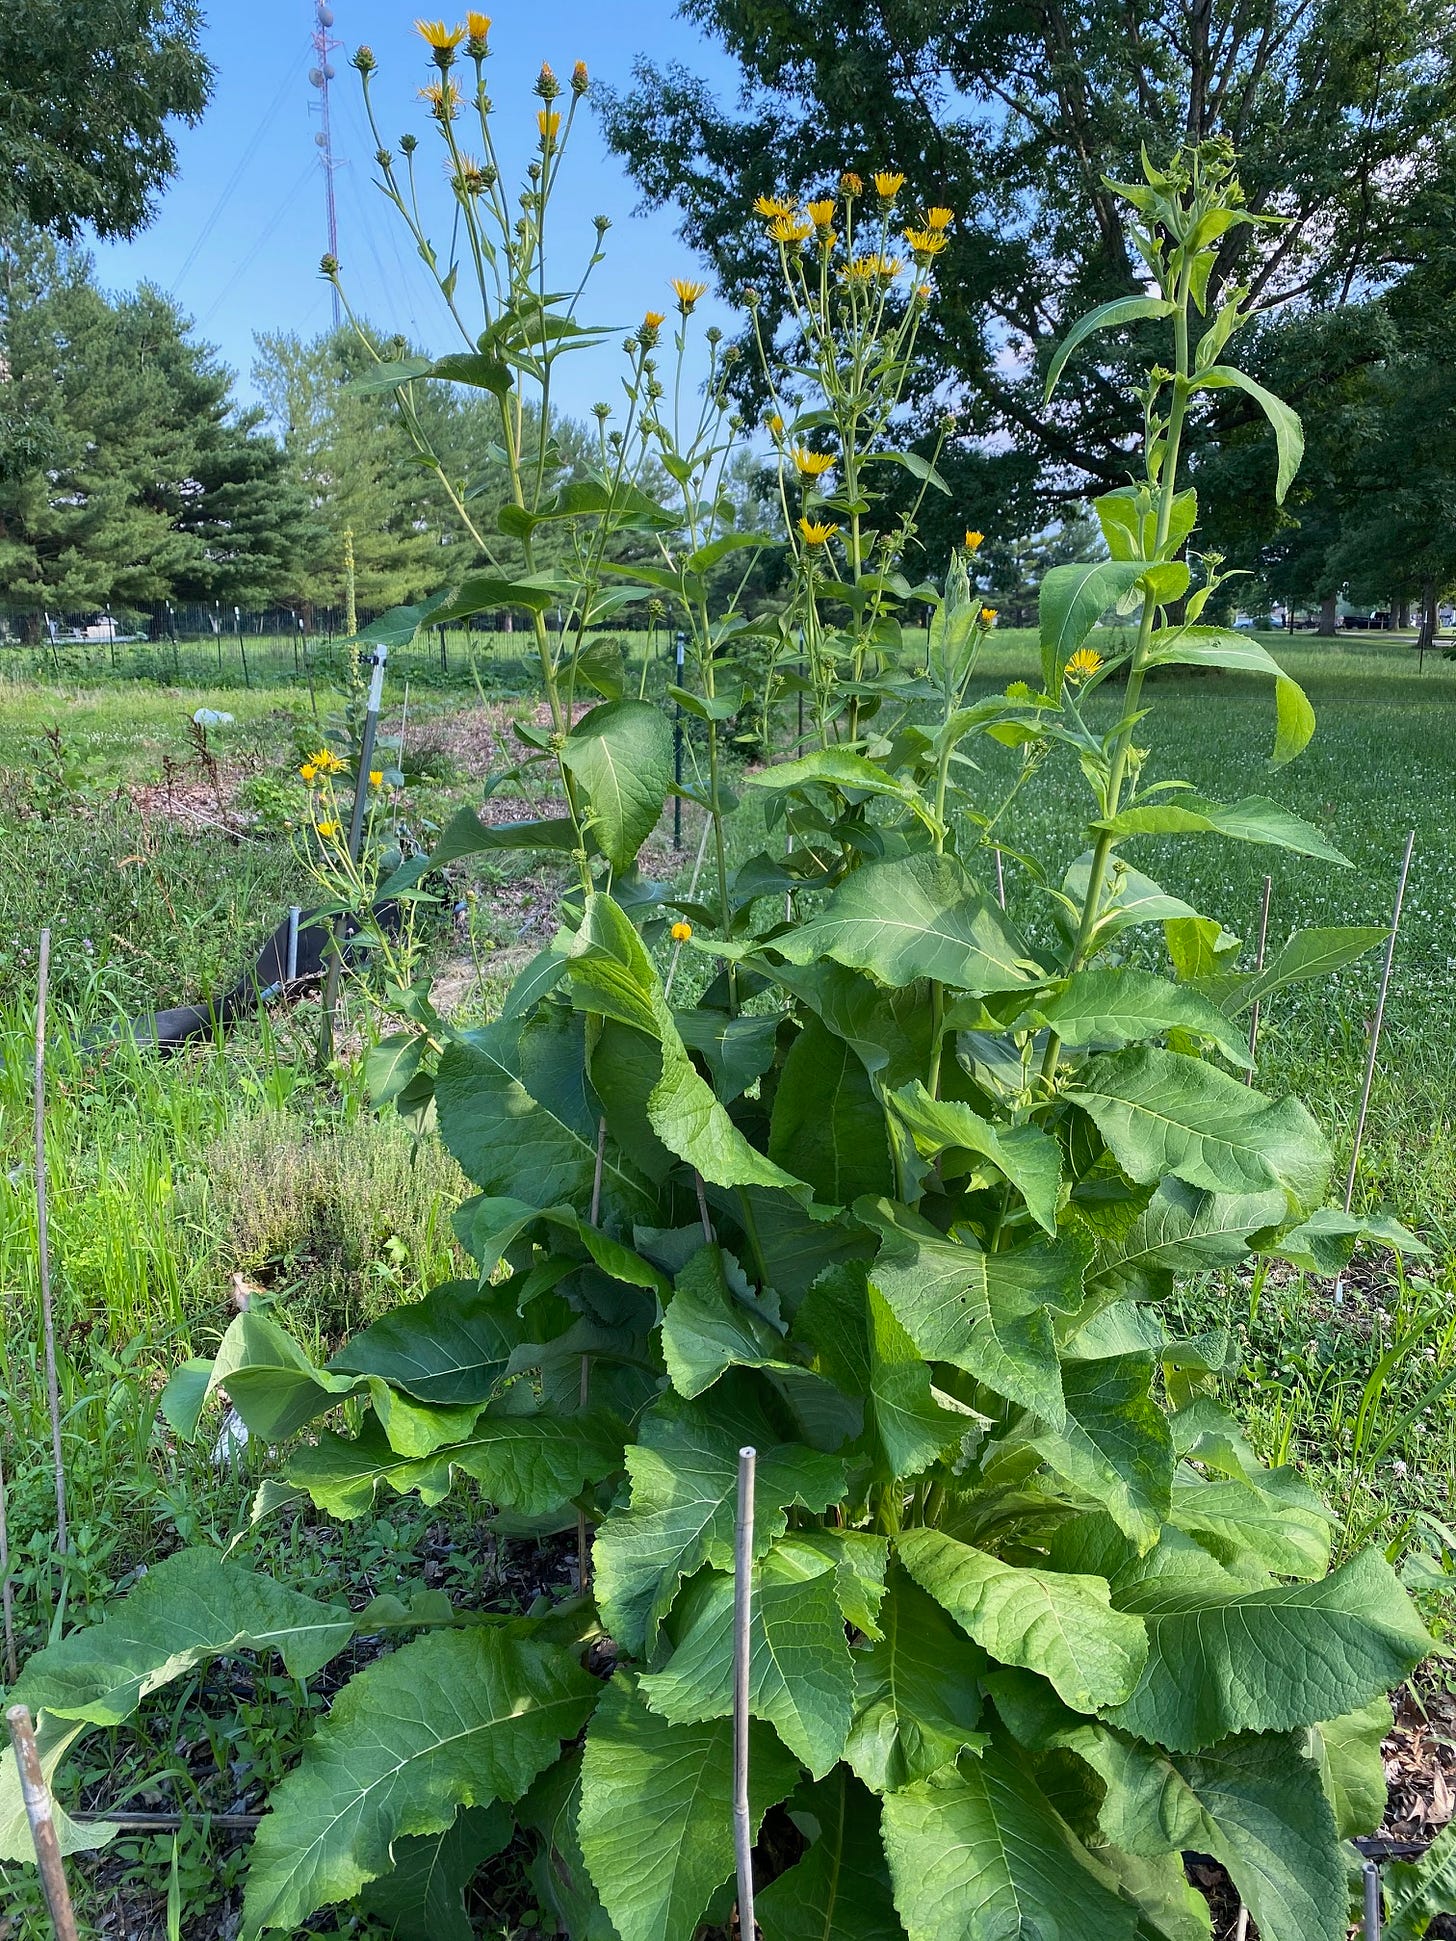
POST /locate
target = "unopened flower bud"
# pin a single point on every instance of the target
(580, 80)
(547, 85)
(328, 266)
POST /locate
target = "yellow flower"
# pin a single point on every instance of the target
(851, 183)
(1083, 664)
(771, 207)
(790, 229)
(888, 184)
(444, 99)
(988, 616)
(680, 932)
(816, 532)
(308, 771)
(812, 465)
(861, 270)
(477, 26)
(821, 213)
(654, 319)
(926, 242)
(443, 39)
(326, 762)
(886, 268)
(939, 218)
(923, 291)
(687, 293)
(328, 829)
(376, 776)
(548, 120)
(775, 424)
(973, 541)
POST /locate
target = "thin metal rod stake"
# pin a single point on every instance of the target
(37, 1797)
(7, 1589)
(742, 1654)
(1000, 880)
(43, 1237)
(677, 751)
(1375, 1030)
(1258, 966)
(1371, 1931)
(290, 967)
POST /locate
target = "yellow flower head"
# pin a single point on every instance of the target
(687, 293)
(775, 424)
(888, 184)
(326, 762)
(821, 212)
(988, 616)
(790, 229)
(973, 541)
(580, 79)
(771, 207)
(926, 242)
(548, 120)
(812, 465)
(816, 532)
(444, 99)
(939, 218)
(885, 268)
(923, 291)
(1083, 664)
(680, 932)
(376, 776)
(308, 771)
(851, 183)
(477, 26)
(468, 176)
(443, 39)
(328, 829)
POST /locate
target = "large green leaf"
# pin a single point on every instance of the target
(1308, 953)
(1053, 1622)
(656, 1821)
(622, 753)
(1025, 1154)
(424, 1892)
(917, 916)
(1072, 600)
(1347, 1751)
(188, 1609)
(451, 1347)
(1122, 1007)
(840, 1890)
(1268, 1515)
(1268, 1660)
(612, 976)
(466, 835)
(857, 1342)
(1181, 1228)
(684, 1475)
(1115, 1443)
(53, 1740)
(516, 1111)
(1112, 315)
(527, 1463)
(917, 1700)
(1162, 1112)
(990, 1314)
(558, 1870)
(800, 1679)
(828, 1126)
(839, 768)
(1288, 432)
(1255, 819)
(890, 1030)
(1416, 1891)
(977, 1854)
(456, 1718)
(710, 1327)
(1209, 647)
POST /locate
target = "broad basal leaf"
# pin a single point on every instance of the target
(684, 1475)
(840, 1890)
(918, 916)
(917, 1699)
(1123, 1007)
(451, 1347)
(1162, 1112)
(976, 1853)
(800, 1677)
(1114, 1443)
(1268, 1660)
(1051, 1622)
(828, 1126)
(622, 754)
(709, 1327)
(1255, 819)
(456, 1718)
(53, 1740)
(1347, 1752)
(656, 1821)
(424, 1891)
(1181, 1229)
(1269, 1516)
(1025, 1154)
(188, 1609)
(990, 1314)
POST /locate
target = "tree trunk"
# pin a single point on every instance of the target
(1328, 615)
(1402, 611)
(1429, 622)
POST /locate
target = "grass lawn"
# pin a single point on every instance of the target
(171, 1177)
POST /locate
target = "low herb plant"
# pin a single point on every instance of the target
(894, 1199)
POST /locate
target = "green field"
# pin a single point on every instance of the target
(172, 1176)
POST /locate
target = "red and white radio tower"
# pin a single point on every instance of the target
(320, 75)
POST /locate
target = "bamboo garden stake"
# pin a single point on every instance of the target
(7, 1589)
(37, 1797)
(1258, 966)
(43, 1239)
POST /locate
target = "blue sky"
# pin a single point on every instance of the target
(240, 230)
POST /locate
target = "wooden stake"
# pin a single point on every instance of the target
(1258, 966)
(1375, 1030)
(7, 1589)
(37, 1797)
(43, 1238)
(742, 1653)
